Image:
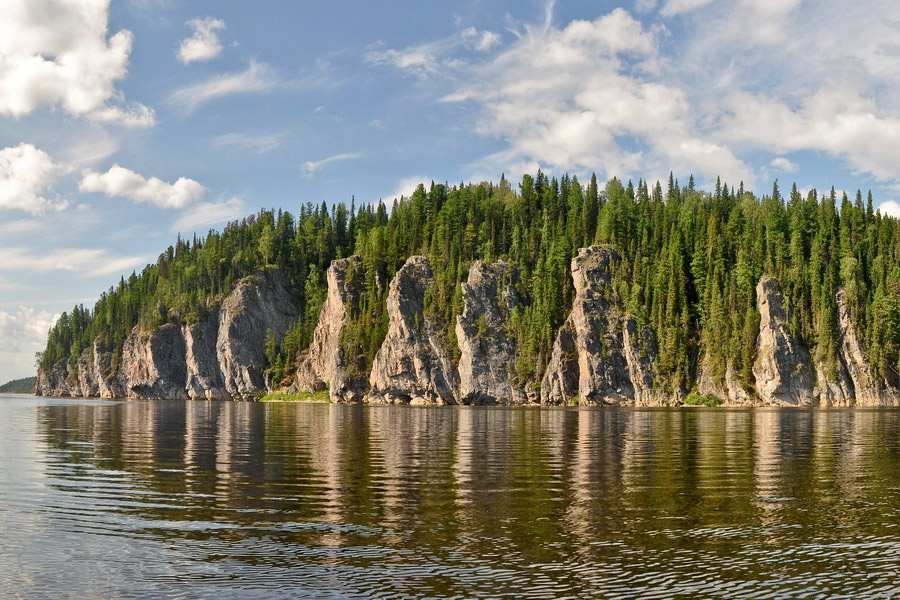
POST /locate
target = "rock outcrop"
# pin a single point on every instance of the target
(783, 367)
(728, 389)
(259, 304)
(591, 346)
(412, 366)
(153, 364)
(324, 365)
(58, 382)
(221, 357)
(204, 376)
(868, 390)
(601, 355)
(88, 387)
(488, 352)
(108, 383)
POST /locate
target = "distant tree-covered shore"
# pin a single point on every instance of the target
(690, 263)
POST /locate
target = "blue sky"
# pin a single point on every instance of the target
(123, 122)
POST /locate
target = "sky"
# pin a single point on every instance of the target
(126, 122)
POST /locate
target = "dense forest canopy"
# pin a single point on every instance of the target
(691, 260)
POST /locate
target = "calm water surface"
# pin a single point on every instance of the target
(236, 500)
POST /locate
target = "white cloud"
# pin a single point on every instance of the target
(25, 329)
(26, 174)
(782, 164)
(890, 208)
(57, 53)
(310, 167)
(676, 7)
(119, 181)
(418, 61)
(405, 187)
(90, 262)
(259, 144)
(210, 213)
(482, 41)
(204, 44)
(258, 77)
(578, 97)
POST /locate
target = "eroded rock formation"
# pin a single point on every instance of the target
(413, 366)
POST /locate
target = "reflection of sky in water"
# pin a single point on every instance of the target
(143, 499)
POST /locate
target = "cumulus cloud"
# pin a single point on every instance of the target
(782, 164)
(25, 329)
(26, 174)
(119, 181)
(614, 94)
(90, 262)
(310, 167)
(890, 208)
(574, 97)
(258, 77)
(204, 44)
(59, 53)
(210, 213)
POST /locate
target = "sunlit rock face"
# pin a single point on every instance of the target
(324, 366)
(413, 366)
(259, 304)
(599, 347)
(783, 368)
(487, 351)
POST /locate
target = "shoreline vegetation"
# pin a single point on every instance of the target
(321, 397)
(550, 291)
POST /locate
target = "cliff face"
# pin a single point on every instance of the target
(412, 366)
(487, 352)
(324, 366)
(601, 355)
(598, 347)
(153, 364)
(868, 390)
(221, 357)
(259, 304)
(204, 374)
(783, 367)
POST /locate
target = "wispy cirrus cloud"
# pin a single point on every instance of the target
(256, 78)
(89, 262)
(208, 214)
(259, 144)
(310, 167)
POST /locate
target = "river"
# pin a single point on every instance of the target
(108, 499)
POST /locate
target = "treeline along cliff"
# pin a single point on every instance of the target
(555, 292)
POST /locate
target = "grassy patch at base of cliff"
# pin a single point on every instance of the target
(322, 397)
(696, 399)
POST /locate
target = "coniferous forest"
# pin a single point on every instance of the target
(691, 260)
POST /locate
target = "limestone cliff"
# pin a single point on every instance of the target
(203, 372)
(412, 366)
(324, 365)
(868, 390)
(221, 357)
(783, 367)
(153, 364)
(610, 365)
(259, 304)
(488, 352)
